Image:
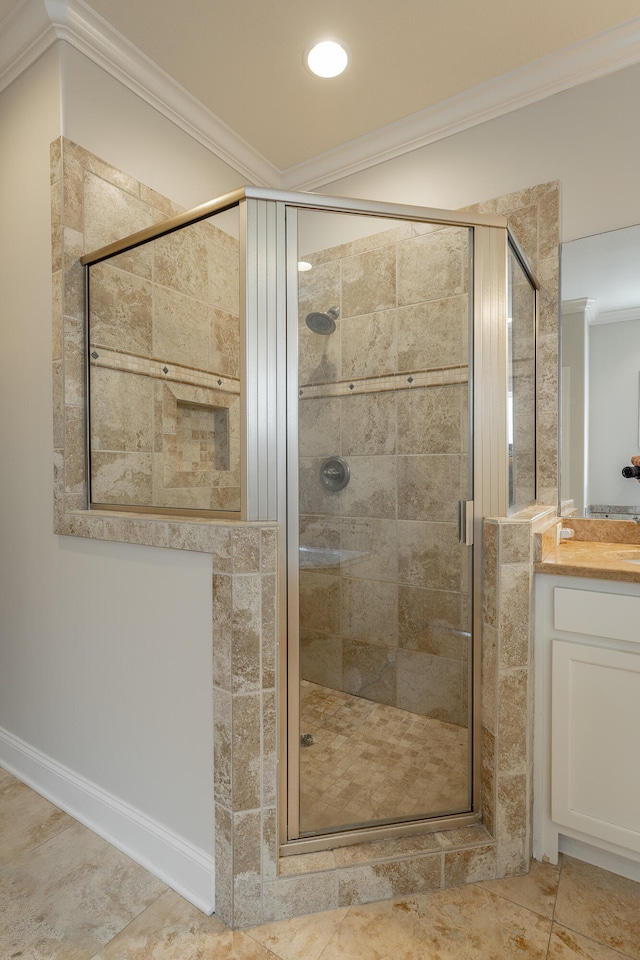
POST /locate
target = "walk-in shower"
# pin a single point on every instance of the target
(221, 384)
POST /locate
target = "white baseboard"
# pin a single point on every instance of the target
(182, 866)
(624, 865)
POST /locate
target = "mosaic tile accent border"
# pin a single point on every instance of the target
(399, 381)
(161, 369)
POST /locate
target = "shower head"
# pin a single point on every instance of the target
(323, 323)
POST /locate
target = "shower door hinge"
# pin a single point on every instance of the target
(465, 522)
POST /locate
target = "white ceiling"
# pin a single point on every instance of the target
(242, 59)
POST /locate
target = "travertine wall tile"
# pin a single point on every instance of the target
(223, 759)
(269, 843)
(246, 550)
(512, 735)
(489, 677)
(56, 225)
(369, 345)
(269, 627)
(372, 490)
(269, 748)
(433, 267)
(55, 160)
(74, 441)
(110, 212)
(223, 837)
(58, 404)
(386, 880)
(372, 667)
(369, 609)
(368, 425)
(121, 309)
(470, 866)
(247, 905)
(247, 843)
(73, 192)
(133, 530)
(247, 753)
(292, 896)
(429, 487)
(222, 631)
(73, 274)
(429, 420)
(515, 614)
(369, 282)
(181, 262)
(246, 633)
(433, 334)
(515, 542)
(488, 779)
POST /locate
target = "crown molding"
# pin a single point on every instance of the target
(34, 25)
(581, 306)
(27, 33)
(620, 315)
(596, 57)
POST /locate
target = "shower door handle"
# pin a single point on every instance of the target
(465, 522)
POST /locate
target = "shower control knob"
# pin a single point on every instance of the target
(334, 473)
(630, 472)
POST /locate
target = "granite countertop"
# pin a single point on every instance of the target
(596, 559)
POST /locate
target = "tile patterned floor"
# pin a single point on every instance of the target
(67, 895)
(370, 762)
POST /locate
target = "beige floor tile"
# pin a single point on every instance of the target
(567, 945)
(303, 938)
(172, 929)
(600, 905)
(6, 779)
(466, 923)
(26, 818)
(70, 896)
(536, 891)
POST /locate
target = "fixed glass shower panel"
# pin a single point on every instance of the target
(384, 343)
(164, 372)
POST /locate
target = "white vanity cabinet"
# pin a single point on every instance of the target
(587, 721)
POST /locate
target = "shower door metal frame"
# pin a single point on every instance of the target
(487, 365)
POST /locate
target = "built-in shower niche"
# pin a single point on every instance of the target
(164, 382)
(202, 441)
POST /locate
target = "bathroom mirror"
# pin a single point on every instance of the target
(600, 374)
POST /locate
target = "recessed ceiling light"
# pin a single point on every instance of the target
(328, 58)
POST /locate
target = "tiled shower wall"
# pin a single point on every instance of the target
(93, 204)
(388, 391)
(165, 391)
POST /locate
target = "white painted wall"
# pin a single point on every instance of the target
(587, 137)
(103, 116)
(614, 383)
(105, 648)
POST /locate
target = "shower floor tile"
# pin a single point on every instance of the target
(367, 761)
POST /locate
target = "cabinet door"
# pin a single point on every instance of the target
(595, 785)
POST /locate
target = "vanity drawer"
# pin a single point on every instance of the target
(594, 614)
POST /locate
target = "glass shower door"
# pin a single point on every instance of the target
(382, 726)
